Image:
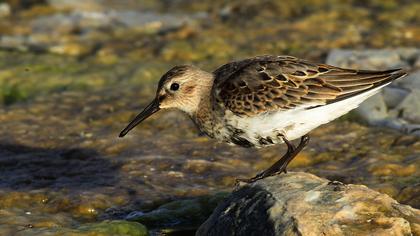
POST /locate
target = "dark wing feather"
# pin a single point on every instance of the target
(269, 83)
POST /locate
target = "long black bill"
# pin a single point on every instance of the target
(152, 108)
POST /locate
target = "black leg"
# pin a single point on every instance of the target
(280, 165)
(290, 150)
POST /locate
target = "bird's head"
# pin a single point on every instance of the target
(181, 87)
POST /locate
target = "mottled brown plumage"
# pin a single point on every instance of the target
(271, 83)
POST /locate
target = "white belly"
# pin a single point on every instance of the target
(294, 123)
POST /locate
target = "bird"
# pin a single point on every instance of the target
(265, 100)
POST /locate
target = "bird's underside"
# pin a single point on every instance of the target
(273, 99)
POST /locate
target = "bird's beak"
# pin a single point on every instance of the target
(152, 108)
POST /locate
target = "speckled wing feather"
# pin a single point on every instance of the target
(271, 83)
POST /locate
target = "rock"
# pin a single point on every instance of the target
(373, 59)
(5, 9)
(72, 49)
(417, 63)
(303, 204)
(80, 32)
(373, 110)
(394, 95)
(76, 5)
(409, 108)
(412, 81)
(115, 227)
(17, 5)
(14, 42)
(181, 214)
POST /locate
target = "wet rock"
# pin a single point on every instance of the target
(116, 227)
(374, 110)
(180, 214)
(417, 63)
(72, 49)
(5, 9)
(412, 81)
(304, 204)
(373, 59)
(78, 33)
(76, 4)
(17, 5)
(409, 108)
(394, 95)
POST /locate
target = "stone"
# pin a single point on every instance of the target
(303, 204)
(115, 227)
(71, 49)
(373, 59)
(417, 63)
(411, 81)
(184, 214)
(394, 95)
(76, 5)
(409, 108)
(373, 110)
(5, 10)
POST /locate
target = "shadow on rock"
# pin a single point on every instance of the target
(23, 168)
(251, 204)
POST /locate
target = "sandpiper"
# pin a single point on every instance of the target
(265, 100)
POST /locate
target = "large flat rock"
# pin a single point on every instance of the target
(304, 204)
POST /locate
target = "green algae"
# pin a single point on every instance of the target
(104, 228)
(115, 227)
(184, 214)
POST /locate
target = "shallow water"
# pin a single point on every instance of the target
(62, 165)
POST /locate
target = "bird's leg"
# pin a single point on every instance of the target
(304, 140)
(280, 165)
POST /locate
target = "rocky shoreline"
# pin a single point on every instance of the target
(72, 73)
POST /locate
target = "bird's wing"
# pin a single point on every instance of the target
(272, 83)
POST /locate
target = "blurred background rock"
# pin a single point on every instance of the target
(73, 72)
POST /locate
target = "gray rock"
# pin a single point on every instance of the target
(411, 81)
(409, 108)
(393, 96)
(55, 33)
(304, 204)
(400, 124)
(373, 59)
(14, 42)
(373, 110)
(417, 63)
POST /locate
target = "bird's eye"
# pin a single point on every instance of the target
(174, 86)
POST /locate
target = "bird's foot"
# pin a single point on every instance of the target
(262, 175)
(281, 165)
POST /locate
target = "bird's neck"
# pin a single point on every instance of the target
(202, 115)
(205, 92)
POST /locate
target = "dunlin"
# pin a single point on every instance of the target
(265, 100)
